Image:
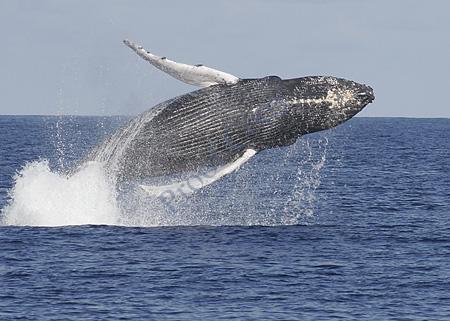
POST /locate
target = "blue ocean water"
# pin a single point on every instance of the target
(351, 223)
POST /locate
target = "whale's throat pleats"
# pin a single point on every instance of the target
(210, 126)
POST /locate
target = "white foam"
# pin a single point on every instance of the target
(41, 197)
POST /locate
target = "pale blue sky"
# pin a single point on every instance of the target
(67, 57)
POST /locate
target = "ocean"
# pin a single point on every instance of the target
(352, 223)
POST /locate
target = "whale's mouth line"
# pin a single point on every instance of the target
(366, 97)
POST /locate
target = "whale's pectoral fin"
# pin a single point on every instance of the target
(197, 75)
(197, 182)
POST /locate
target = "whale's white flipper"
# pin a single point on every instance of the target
(195, 183)
(198, 75)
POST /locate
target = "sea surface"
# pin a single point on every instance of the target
(348, 224)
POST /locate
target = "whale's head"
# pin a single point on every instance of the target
(317, 103)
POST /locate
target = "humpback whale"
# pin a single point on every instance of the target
(225, 122)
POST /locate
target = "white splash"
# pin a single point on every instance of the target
(41, 197)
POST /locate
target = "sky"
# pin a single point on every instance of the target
(67, 57)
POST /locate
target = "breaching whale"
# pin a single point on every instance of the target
(226, 122)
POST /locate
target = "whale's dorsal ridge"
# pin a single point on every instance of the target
(197, 75)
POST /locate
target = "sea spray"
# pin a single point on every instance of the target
(41, 197)
(301, 204)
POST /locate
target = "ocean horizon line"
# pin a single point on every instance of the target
(128, 116)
